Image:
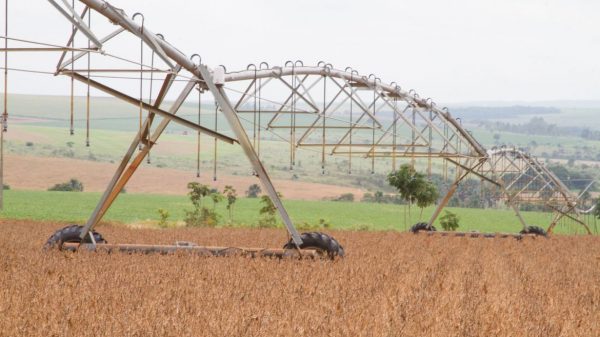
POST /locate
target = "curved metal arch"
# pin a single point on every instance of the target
(348, 81)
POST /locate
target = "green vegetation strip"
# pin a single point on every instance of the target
(143, 209)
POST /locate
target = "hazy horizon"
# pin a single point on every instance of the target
(455, 52)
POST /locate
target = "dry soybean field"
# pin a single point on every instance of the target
(389, 284)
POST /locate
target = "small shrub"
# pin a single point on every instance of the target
(72, 185)
(361, 228)
(449, 221)
(319, 225)
(253, 191)
(345, 197)
(203, 217)
(267, 212)
(29, 144)
(267, 222)
(231, 195)
(164, 216)
(5, 187)
(324, 223)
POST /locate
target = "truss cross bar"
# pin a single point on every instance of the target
(284, 105)
(246, 97)
(148, 107)
(77, 56)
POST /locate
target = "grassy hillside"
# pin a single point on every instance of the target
(142, 209)
(44, 122)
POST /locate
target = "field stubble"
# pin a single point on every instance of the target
(390, 284)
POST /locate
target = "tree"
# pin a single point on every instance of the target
(378, 197)
(164, 216)
(231, 195)
(496, 138)
(216, 198)
(413, 187)
(267, 212)
(586, 196)
(197, 192)
(401, 178)
(345, 197)
(253, 191)
(200, 215)
(597, 209)
(72, 185)
(426, 196)
(449, 221)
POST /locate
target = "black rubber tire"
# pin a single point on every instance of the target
(70, 233)
(422, 226)
(319, 241)
(534, 230)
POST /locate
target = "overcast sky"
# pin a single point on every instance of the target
(452, 51)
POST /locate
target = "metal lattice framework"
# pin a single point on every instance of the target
(523, 179)
(319, 108)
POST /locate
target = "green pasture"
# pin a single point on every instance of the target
(142, 209)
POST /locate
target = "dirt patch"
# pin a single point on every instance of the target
(19, 134)
(39, 173)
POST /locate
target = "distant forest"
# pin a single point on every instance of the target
(502, 112)
(538, 126)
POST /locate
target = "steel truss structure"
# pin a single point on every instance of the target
(523, 179)
(318, 108)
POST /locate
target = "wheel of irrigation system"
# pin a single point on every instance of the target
(71, 234)
(534, 230)
(422, 226)
(321, 242)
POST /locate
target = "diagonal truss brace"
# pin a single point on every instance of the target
(121, 177)
(76, 20)
(244, 140)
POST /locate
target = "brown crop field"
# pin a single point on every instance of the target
(389, 284)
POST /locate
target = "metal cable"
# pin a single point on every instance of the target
(141, 79)
(215, 157)
(71, 124)
(199, 123)
(148, 160)
(324, 124)
(5, 113)
(6, 37)
(351, 117)
(373, 126)
(87, 113)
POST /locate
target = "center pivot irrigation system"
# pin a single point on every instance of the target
(314, 108)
